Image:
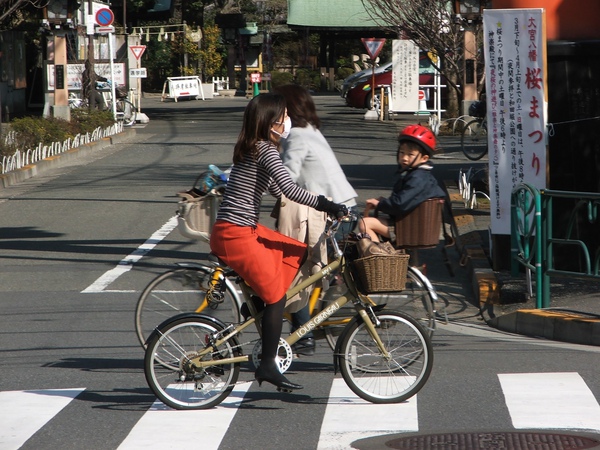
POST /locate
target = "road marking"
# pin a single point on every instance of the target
(162, 427)
(346, 414)
(127, 263)
(550, 400)
(23, 413)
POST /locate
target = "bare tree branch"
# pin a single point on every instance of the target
(431, 25)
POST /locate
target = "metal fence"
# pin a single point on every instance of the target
(547, 248)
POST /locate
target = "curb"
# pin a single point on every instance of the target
(63, 159)
(552, 324)
(576, 328)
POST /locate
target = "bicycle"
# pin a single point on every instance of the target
(192, 361)
(126, 112)
(191, 288)
(474, 138)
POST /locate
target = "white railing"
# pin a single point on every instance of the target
(220, 83)
(22, 158)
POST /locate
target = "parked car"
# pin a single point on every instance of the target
(359, 77)
(359, 95)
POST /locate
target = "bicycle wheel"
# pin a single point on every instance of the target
(178, 291)
(379, 379)
(474, 140)
(179, 383)
(126, 111)
(415, 300)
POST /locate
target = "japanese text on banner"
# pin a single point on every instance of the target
(514, 43)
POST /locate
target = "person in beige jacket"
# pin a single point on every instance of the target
(312, 165)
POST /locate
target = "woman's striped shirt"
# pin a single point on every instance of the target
(251, 178)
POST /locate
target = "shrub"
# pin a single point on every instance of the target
(281, 78)
(31, 131)
(343, 73)
(310, 79)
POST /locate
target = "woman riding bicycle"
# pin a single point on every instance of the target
(267, 260)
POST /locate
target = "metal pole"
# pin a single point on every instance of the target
(90, 57)
(112, 77)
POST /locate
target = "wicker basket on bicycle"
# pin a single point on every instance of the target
(198, 207)
(381, 269)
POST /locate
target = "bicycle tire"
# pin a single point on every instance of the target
(178, 291)
(415, 300)
(378, 379)
(179, 384)
(126, 111)
(474, 139)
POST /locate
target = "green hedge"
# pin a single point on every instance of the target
(31, 131)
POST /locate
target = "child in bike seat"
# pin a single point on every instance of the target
(415, 184)
(266, 259)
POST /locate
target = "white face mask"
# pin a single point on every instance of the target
(287, 126)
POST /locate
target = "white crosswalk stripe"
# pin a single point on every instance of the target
(345, 414)
(175, 426)
(550, 400)
(543, 401)
(18, 421)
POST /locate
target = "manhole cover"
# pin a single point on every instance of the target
(493, 441)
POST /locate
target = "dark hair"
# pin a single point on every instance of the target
(260, 115)
(300, 105)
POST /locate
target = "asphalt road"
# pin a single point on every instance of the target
(79, 243)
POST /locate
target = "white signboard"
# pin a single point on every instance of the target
(138, 73)
(405, 76)
(183, 87)
(517, 109)
(74, 72)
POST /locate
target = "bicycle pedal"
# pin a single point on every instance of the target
(284, 390)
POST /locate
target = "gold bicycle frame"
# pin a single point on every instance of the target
(351, 294)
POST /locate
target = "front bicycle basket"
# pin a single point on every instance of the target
(380, 273)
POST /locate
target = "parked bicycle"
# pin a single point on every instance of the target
(474, 138)
(192, 361)
(126, 111)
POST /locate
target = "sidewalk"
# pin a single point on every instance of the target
(504, 304)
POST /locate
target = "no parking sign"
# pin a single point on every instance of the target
(104, 17)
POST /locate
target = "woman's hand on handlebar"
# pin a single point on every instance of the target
(336, 210)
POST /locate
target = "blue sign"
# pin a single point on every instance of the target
(104, 17)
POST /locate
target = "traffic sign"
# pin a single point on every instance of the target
(421, 94)
(105, 30)
(104, 17)
(373, 46)
(137, 50)
(138, 73)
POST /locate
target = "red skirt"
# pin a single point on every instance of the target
(266, 259)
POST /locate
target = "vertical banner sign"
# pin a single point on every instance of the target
(405, 76)
(517, 108)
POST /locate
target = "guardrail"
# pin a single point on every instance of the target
(534, 243)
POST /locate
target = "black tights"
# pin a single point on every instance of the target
(272, 324)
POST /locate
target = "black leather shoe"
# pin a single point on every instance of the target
(304, 347)
(268, 372)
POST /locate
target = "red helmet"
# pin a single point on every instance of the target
(420, 135)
